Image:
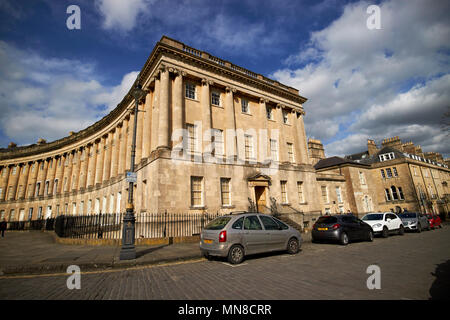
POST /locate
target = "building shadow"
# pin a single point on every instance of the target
(440, 289)
(149, 250)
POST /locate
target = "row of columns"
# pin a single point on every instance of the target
(84, 167)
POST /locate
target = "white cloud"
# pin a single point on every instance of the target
(48, 97)
(122, 15)
(376, 83)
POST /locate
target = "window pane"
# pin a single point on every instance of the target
(269, 223)
(252, 223)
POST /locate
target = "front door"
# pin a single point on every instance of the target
(260, 196)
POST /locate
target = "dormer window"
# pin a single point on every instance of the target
(386, 156)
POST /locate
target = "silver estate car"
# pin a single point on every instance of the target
(236, 235)
(414, 221)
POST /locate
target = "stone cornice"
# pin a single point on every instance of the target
(162, 48)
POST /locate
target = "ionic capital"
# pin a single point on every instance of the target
(230, 89)
(206, 82)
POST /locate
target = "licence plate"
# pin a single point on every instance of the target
(207, 241)
(322, 229)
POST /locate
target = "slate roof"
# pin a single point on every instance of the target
(333, 161)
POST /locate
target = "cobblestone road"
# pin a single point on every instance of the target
(413, 266)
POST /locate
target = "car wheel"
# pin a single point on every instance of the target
(419, 228)
(344, 239)
(401, 231)
(385, 232)
(293, 247)
(370, 236)
(236, 254)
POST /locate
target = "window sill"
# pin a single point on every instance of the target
(228, 206)
(191, 99)
(198, 207)
(246, 113)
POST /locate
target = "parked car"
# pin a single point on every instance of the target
(384, 223)
(342, 228)
(238, 235)
(414, 221)
(434, 220)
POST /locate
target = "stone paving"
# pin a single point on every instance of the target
(413, 266)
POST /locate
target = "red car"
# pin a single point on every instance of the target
(434, 220)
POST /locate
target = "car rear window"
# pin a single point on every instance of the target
(327, 220)
(218, 223)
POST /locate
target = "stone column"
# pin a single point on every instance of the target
(33, 178)
(92, 160)
(115, 146)
(68, 171)
(75, 170)
(83, 167)
(12, 183)
(282, 152)
(99, 162)
(43, 177)
(51, 175)
(155, 116)
(129, 134)
(163, 130)
(23, 177)
(205, 139)
(4, 182)
(146, 130)
(230, 122)
(177, 106)
(60, 173)
(27, 180)
(302, 157)
(139, 132)
(107, 160)
(123, 146)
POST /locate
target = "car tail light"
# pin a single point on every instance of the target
(336, 226)
(223, 236)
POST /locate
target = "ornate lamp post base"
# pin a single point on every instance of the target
(128, 250)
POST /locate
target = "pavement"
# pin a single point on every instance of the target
(37, 252)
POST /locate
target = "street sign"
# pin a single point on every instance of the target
(131, 177)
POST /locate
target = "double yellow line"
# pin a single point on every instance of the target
(62, 274)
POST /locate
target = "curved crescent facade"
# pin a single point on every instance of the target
(211, 136)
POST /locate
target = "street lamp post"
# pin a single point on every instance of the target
(128, 250)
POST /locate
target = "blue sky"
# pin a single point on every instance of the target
(360, 83)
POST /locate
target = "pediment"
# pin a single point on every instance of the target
(259, 177)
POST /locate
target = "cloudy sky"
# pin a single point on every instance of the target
(361, 83)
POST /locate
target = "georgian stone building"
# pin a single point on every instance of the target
(211, 136)
(395, 177)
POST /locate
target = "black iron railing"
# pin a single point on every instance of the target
(109, 225)
(40, 224)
